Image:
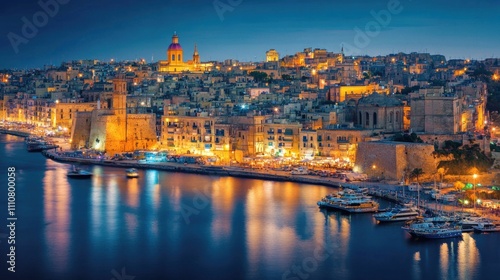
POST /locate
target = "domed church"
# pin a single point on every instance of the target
(175, 59)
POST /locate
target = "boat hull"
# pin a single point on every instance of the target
(350, 209)
(437, 235)
(79, 176)
(395, 219)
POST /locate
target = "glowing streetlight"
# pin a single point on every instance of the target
(474, 185)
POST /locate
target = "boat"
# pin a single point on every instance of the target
(433, 231)
(349, 201)
(77, 173)
(468, 223)
(132, 173)
(488, 227)
(398, 214)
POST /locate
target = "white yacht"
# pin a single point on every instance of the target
(398, 214)
(349, 201)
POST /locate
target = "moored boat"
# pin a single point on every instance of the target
(77, 173)
(433, 231)
(398, 214)
(469, 223)
(349, 201)
(132, 173)
(488, 227)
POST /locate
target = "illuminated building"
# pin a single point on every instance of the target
(272, 55)
(175, 60)
(113, 130)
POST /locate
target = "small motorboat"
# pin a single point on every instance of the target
(486, 227)
(78, 173)
(132, 173)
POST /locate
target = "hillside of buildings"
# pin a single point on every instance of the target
(395, 112)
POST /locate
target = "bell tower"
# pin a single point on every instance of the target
(196, 56)
(119, 103)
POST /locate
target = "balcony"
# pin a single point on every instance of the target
(270, 132)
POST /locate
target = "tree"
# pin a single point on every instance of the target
(259, 76)
(415, 173)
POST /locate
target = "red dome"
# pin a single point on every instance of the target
(175, 47)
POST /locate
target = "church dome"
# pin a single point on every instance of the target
(175, 46)
(378, 99)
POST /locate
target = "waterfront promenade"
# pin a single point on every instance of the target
(382, 190)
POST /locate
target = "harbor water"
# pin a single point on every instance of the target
(167, 225)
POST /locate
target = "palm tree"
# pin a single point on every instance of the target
(415, 173)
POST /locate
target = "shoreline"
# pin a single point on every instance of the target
(272, 175)
(240, 172)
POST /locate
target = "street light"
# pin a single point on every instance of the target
(474, 186)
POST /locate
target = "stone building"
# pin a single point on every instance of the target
(64, 112)
(436, 113)
(394, 160)
(272, 55)
(113, 130)
(344, 93)
(380, 112)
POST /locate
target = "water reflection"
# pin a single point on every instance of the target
(457, 258)
(249, 229)
(57, 200)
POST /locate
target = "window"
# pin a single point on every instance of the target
(360, 121)
(397, 117)
(374, 119)
(179, 57)
(391, 117)
(173, 57)
(367, 120)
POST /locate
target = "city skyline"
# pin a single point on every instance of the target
(242, 30)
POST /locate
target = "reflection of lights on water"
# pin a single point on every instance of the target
(444, 260)
(416, 265)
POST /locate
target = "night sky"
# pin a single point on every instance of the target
(130, 30)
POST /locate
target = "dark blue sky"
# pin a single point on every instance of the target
(125, 29)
